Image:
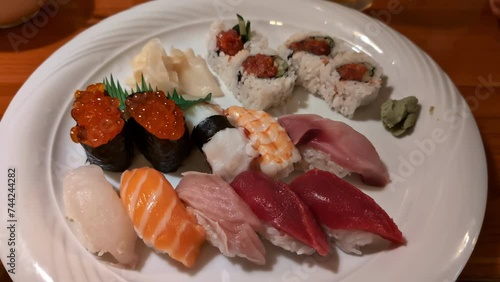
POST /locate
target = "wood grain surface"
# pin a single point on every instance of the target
(462, 36)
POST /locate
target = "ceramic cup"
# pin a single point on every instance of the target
(14, 12)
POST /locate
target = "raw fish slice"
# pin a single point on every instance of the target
(276, 205)
(228, 221)
(345, 146)
(342, 208)
(101, 222)
(159, 216)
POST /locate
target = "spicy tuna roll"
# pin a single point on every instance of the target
(225, 43)
(158, 129)
(100, 129)
(260, 80)
(356, 81)
(309, 55)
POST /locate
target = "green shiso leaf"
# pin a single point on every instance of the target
(183, 103)
(144, 87)
(115, 90)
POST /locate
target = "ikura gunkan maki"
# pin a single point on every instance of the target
(100, 129)
(158, 129)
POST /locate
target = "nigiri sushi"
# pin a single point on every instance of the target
(100, 129)
(288, 222)
(277, 152)
(229, 223)
(349, 216)
(334, 146)
(159, 217)
(101, 222)
(158, 129)
(213, 133)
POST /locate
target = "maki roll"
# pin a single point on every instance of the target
(158, 129)
(356, 81)
(223, 44)
(100, 129)
(261, 80)
(309, 55)
(212, 133)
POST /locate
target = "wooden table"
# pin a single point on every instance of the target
(462, 36)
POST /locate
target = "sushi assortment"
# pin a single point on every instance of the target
(314, 213)
(248, 195)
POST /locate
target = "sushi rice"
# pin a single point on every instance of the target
(347, 95)
(285, 241)
(350, 241)
(259, 93)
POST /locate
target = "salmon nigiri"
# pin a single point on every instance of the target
(159, 217)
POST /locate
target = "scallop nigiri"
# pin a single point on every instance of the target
(101, 222)
(159, 216)
(268, 138)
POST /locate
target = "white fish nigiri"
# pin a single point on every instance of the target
(100, 220)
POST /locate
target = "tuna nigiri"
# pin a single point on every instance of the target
(288, 221)
(336, 147)
(102, 224)
(159, 217)
(277, 152)
(229, 223)
(349, 216)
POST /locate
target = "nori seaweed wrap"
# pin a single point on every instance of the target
(206, 129)
(158, 129)
(204, 120)
(101, 130)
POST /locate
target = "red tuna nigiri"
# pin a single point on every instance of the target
(282, 212)
(340, 206)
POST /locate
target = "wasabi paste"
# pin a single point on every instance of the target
(400, 115)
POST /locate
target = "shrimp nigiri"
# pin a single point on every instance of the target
(159, 216)
(277, 151)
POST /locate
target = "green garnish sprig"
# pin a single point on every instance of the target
(183, 103)
(243, 29)
(115, 90)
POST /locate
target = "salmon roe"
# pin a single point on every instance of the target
(98, 118)
(157, 114)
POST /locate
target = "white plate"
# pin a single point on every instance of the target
(437, 197)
